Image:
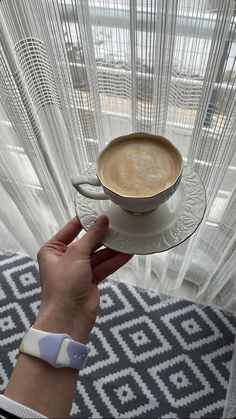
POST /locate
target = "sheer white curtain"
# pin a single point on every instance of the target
(74, 74)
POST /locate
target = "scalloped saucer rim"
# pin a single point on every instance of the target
(170, 225)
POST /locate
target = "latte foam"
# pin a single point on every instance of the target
(139, 167)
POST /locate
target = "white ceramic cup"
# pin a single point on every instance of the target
(134, 204)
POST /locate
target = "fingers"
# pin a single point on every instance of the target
(69, 232)
(109, 266)
(92, 239)
(101, 256)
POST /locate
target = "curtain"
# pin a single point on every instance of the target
(75, 74)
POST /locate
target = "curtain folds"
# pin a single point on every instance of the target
(74, 74)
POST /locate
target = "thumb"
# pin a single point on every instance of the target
(93, 237)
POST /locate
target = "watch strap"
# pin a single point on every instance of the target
(57, 349)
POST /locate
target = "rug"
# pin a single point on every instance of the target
(150, 357)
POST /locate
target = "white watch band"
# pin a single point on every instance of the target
(58, 349)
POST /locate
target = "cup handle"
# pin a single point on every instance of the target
(88, 180)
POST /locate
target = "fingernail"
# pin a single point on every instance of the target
(102, 220)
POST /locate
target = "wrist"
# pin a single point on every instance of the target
(54, 321)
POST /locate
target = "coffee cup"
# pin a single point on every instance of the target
(138, 172)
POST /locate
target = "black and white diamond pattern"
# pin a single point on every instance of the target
(101, 353)
(219, 362)
(136, 337)
(23, 280)
(126, 394)
(3, 377)
(114, 303)
(192, 327)
(149, 357)
(181, 381)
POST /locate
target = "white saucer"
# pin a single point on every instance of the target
(169, 225)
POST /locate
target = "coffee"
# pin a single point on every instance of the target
(138, 172)
(139, 166)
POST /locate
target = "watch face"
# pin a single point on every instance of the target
(77, 354)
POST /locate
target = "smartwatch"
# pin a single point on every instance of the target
(57, 349)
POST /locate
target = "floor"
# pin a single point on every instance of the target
(150, 357)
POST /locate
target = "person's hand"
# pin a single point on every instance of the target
(70, 274)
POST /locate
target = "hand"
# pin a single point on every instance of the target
(70, 274)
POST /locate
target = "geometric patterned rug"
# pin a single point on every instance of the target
(150, 357)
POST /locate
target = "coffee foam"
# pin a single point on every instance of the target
(139, 167)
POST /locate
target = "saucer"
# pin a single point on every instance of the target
(169, 225)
